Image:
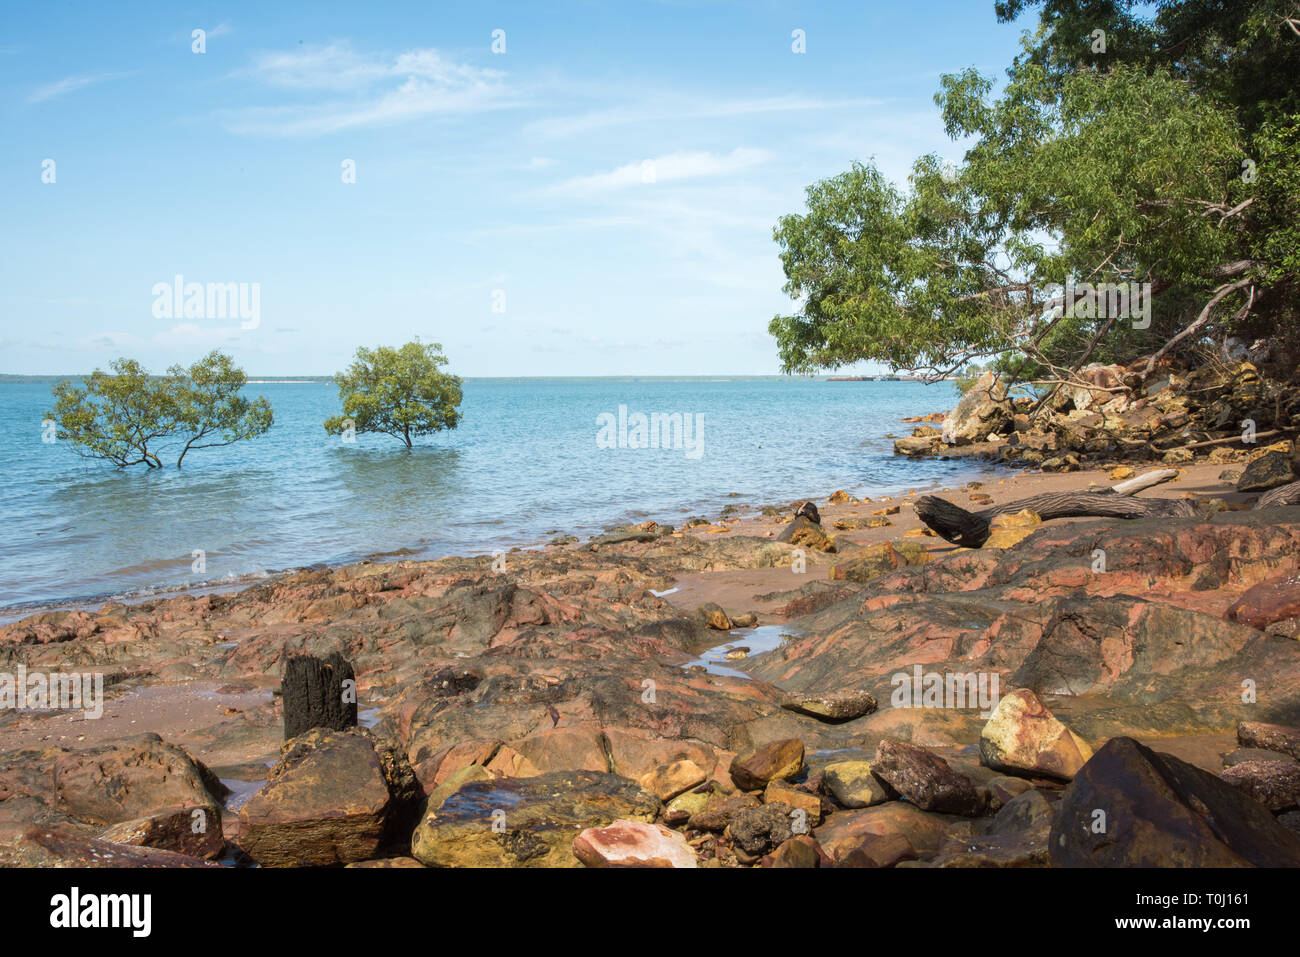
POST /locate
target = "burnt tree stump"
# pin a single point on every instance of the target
(318, 693)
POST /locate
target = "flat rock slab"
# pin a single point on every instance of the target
(40, 847)
(527, 822)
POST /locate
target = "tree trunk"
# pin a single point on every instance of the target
(318, 693)
(971, 529)
(1282, 495)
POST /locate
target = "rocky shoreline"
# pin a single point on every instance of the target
(837, 687)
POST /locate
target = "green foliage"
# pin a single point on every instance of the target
(118, 416)
(128, 417)
(398, 392)
(209, 408)
(1180, 169)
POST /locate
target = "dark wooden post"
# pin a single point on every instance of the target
(318, 693)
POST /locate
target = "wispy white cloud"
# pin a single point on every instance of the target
(669, 168)
(71, 84)
(383, 90)
(683, 109)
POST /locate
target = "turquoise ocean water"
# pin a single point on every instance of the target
(524, 466)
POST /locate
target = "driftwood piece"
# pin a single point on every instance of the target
(971, 529)
(1133, 485)
(1282, 495)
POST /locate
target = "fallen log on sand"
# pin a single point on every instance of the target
(971, 529)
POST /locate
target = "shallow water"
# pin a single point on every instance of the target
(758, 640)
(523, 467)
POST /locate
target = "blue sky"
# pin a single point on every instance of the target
(611, 179)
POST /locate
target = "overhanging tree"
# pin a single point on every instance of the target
(1143, 172)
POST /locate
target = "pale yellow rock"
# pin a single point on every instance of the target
(1022, 735)
(1007, 530)
(669, 780)
(1021, 519)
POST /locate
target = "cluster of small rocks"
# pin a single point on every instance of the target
(1177, 416)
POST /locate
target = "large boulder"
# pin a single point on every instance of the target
(1130, 806)
(1023, 736)
(325, 802)
(983, 409)
(132, 779)
(527, 822)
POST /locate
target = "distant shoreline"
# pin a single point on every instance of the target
(714, 377)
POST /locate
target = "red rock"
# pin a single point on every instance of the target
(193, 831)
(925, 779)
(52, 847)
(877, 850)
(132, 779)
(1274, 784)
(802, 850)
(633, 844)
(1270, 601)
(1269, 737)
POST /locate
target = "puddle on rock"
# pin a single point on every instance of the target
(758, 640)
